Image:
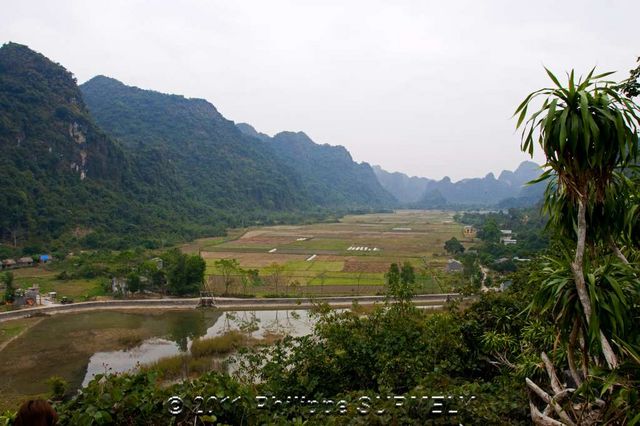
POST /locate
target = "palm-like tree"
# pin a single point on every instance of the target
(588, 132)
(589, 135)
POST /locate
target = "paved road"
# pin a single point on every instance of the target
(224, 303)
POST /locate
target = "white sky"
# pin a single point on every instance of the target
(422, 87)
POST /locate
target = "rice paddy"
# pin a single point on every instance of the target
(346, 257)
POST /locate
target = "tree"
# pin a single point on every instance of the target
(9, 290)
(453, 246)
(195, 267)
(227, 267)
(185, 273)
(631, 86)
(277, 272)
(249, 277)
(134, 284)
(589, 134)
(401, 284)
(490, 232)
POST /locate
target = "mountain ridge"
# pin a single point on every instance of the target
(421, 192)
(326, 166)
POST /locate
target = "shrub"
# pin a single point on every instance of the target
(58, 387)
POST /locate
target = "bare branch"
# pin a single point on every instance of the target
(542, 419)
(551, 371)
(549, 400)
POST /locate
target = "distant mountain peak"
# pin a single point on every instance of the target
(298, 136)
(486, 191)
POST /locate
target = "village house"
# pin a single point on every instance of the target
(469, 232)
(29, 297)
(507, 237)
(454, 266)
(159, 262)
(8, 264)
(25, 261)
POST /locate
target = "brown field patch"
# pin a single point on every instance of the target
(359, 266)
(255, 260)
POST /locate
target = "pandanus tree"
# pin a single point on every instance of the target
(588, 132)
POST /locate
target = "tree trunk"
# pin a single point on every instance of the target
(573, 338)
(581, 286)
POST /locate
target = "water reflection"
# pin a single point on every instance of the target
(184, 328)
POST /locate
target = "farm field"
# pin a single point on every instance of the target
(46, 279)
(346, 257)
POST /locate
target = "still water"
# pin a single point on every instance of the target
(78, 346)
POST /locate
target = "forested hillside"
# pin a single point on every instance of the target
(407, 189)
(58, 171)
(114, 166)
(330, 176)
(208, 157)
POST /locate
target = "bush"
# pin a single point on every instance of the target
(58, 387)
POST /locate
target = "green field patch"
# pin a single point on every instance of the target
(297, 265)
(320, 266)
(240, 248)
(344, 278)
(46, 281)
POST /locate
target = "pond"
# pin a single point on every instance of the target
(77, 346)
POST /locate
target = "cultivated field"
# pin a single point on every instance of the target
(347, 257)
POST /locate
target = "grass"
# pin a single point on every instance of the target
(77, 289)
(183, 365)
(348, 279)
(205, 355)
(218, 345)
(10, 329)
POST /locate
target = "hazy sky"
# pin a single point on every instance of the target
(423, 87)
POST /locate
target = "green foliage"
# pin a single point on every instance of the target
(9, 290)
(615, 293)
(490, 232)
(401, 285)
(139, 400)
(589, 134)
(631, 86)
(528, 226)
(185, 273)
(586, 129)
(134, 283)
(58, 386)
(388, 350)
(228, 268)
(453, 246)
